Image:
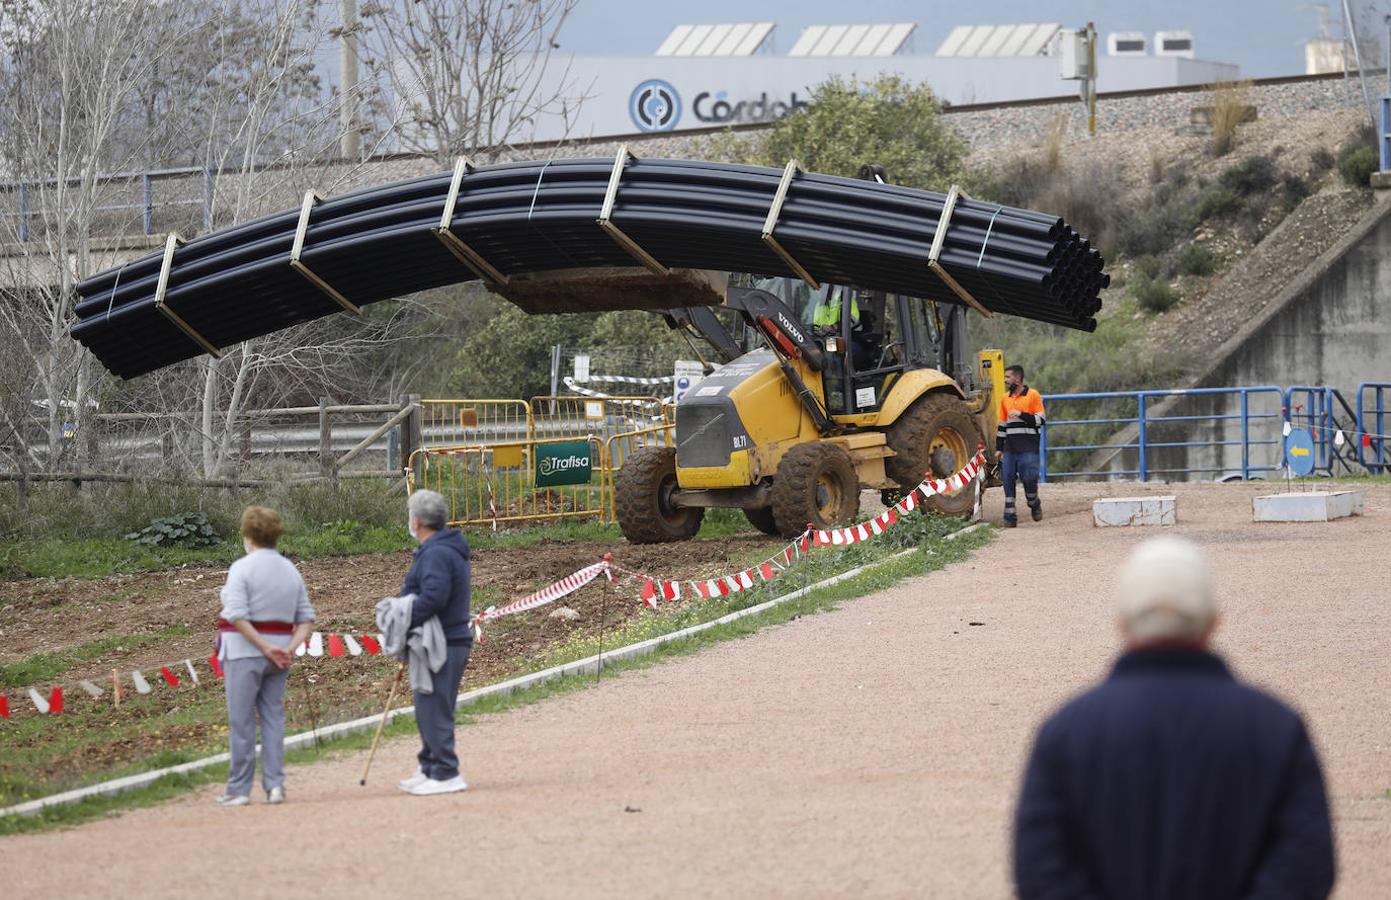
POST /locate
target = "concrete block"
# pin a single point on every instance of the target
(1120, 511)
(1313, 506)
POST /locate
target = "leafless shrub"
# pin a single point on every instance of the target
(1229, 110)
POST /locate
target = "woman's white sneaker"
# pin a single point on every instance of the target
(431, 786)
(415, 781)
(233, 800)
(275, 795)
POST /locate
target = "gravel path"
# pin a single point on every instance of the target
(872, 751)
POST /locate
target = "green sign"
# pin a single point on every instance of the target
(567, 462)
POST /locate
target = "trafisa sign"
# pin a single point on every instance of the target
(655, 105)
(565, 462)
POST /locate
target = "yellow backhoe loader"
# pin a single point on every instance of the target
(846, 390)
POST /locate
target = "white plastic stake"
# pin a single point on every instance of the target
(192, 673)
(354, 648)
(38, 700)
(91, 689)
(141, 684)
(316, 644)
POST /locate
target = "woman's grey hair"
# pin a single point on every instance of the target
(429, 509)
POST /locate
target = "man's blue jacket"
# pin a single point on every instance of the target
(439, 578)
(1173, 780)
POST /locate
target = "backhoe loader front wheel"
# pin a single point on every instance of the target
(938, 434)
(643, 492)
(815, 484)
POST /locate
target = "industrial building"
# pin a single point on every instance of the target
(704, 76)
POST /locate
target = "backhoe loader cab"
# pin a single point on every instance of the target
(840, 390)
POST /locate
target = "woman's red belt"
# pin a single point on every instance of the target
(262, 627)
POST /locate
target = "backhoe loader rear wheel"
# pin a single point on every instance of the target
(937, 434)
(762, 519)
(815, 484)
(642, 499)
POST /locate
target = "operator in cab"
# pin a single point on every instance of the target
(1017, 442)
(827, 308)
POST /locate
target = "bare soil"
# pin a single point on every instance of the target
(51, 616)
(870, 751)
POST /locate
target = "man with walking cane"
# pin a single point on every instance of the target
(440, 638)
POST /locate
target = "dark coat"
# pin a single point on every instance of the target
(440, 578)
(1173, 780)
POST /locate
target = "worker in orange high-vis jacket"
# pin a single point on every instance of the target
(1016, 443)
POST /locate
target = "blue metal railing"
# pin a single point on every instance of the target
(1371, 426)
(147, 204)
(1145, 421)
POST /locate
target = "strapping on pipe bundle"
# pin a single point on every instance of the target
(512, 223)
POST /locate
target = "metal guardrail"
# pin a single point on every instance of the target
(1145, 421)
(1371, 445)
(1346, 435)
(147, 204)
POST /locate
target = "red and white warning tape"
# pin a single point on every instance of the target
(565, 586)
(654, 589)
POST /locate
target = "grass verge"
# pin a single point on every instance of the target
(925, 535)
(98, 557)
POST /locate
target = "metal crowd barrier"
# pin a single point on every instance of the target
(1137, 408)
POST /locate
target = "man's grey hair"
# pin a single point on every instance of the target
(1165, 592)
(429, 509)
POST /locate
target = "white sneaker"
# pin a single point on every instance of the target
(415, 781)
(275, 795)
(233, 800)
(431, 786)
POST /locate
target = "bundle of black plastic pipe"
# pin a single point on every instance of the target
(530, 217)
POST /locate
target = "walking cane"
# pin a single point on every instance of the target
(381, 726)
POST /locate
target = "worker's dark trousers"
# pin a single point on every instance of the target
(1023, 466)
(434, 716)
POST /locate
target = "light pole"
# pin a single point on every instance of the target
(349, 144)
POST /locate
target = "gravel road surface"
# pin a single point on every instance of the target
(871, 751)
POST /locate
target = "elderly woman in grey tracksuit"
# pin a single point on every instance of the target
(265, 615)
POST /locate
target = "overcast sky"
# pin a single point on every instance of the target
(1264, 37)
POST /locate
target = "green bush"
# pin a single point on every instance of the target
(1218, 201)
(1357, 162)
(1322, 159)
(1156, 227)
(1147, 267)
(1295, 190)
(1195, 259)
(1251, 176)
(190, 529)
(1153, 294)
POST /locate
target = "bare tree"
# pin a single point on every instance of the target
(269, 133)
(467, 77)
(88, 87)
(68, 70)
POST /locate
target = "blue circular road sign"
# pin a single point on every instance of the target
(1299, 452)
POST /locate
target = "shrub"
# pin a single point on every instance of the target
(1195, 259)
(1147, 267)
(1218, 201)
(1053, 140)
(190, 529)
(1357, 162)
(1229, 110)
(1322, 159)
(1156, 226)
(1250, 176)
(1296, 190)
(1153, 294)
